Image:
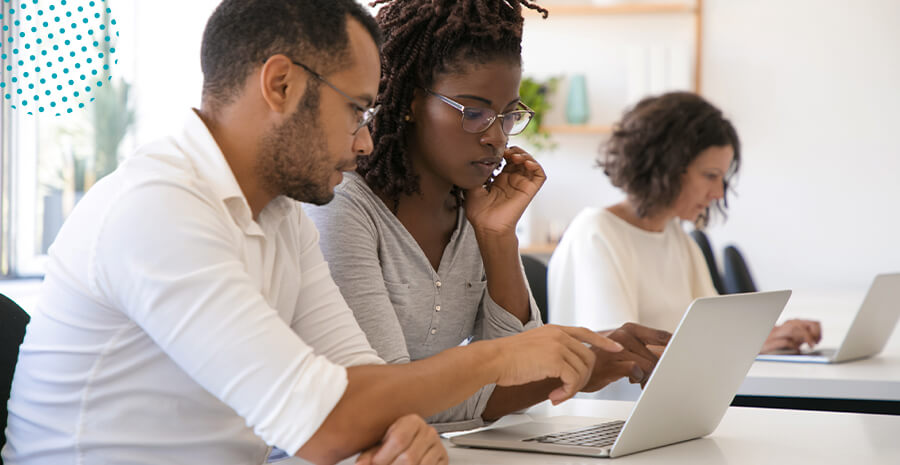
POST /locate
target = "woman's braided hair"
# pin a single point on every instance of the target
(424, 38)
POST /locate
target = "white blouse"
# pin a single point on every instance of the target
(606, 272)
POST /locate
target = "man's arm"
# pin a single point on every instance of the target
(636, 362)
(427, 386)
(188, 288)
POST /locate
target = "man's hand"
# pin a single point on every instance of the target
(408, 441)
(550, 352)
(643, 346)
(788, 338)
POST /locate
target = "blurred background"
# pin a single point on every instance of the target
(812, 86)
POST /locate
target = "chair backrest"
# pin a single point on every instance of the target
(701, 240)
(536, 274)
(737, 274)
(12, 330)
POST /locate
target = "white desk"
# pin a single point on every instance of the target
(745, 436)
(870, 385)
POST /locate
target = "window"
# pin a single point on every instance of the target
(49, 162)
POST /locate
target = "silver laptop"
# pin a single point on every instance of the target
(868, 334)
(686, 396)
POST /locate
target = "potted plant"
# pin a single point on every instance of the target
(537, 94)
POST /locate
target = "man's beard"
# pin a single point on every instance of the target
(293, 158)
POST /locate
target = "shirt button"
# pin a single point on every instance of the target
(437, 307)
(433, 331)
(438, 284)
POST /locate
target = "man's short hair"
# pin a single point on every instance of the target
(241, 34)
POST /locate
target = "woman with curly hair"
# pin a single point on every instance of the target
(421, 240)
(673, 156)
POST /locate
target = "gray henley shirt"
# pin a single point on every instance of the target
(408, 310)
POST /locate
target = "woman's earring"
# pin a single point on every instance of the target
(407, 118)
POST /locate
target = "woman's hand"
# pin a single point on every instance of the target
(643, 347)
(497, 208)
(788, 338)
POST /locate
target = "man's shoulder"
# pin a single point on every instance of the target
(160, 167)
(162, 161)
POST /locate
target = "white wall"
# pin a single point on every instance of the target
(166, 64)
(813, 87)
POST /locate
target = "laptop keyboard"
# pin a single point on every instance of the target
(602, 435)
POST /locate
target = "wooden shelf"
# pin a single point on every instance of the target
(538, 249)
(617, 9)
(694, 8)
(578, 129)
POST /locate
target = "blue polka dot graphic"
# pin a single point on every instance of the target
(55, 54)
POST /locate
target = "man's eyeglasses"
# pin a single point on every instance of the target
(477, 120)
(366, 115)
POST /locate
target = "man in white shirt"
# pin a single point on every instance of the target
(187, 314)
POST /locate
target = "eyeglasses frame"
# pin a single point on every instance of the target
(368, 114)
(462, 110)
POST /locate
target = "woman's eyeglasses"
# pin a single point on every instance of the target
(477, 120)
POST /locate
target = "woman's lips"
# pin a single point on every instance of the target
(486, 167)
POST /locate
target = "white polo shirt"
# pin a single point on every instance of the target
(173, 328)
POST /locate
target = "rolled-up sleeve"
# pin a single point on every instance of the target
(494, 321)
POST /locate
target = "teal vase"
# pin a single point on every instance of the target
(577, 102)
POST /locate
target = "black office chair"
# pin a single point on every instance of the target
(701, 240)
(12, 330)
(737, 274)
(536, 274)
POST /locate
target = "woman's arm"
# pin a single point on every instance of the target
(493, 212)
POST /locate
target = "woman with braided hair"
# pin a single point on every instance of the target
(421, 239)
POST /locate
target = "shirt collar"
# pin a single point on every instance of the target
(210, 164)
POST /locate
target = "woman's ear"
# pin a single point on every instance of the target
(417, 101)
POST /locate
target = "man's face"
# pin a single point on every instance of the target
(305, 156)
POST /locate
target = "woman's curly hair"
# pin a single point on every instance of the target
(652, 146)
(422, 39)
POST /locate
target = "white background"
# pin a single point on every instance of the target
(813, 87)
